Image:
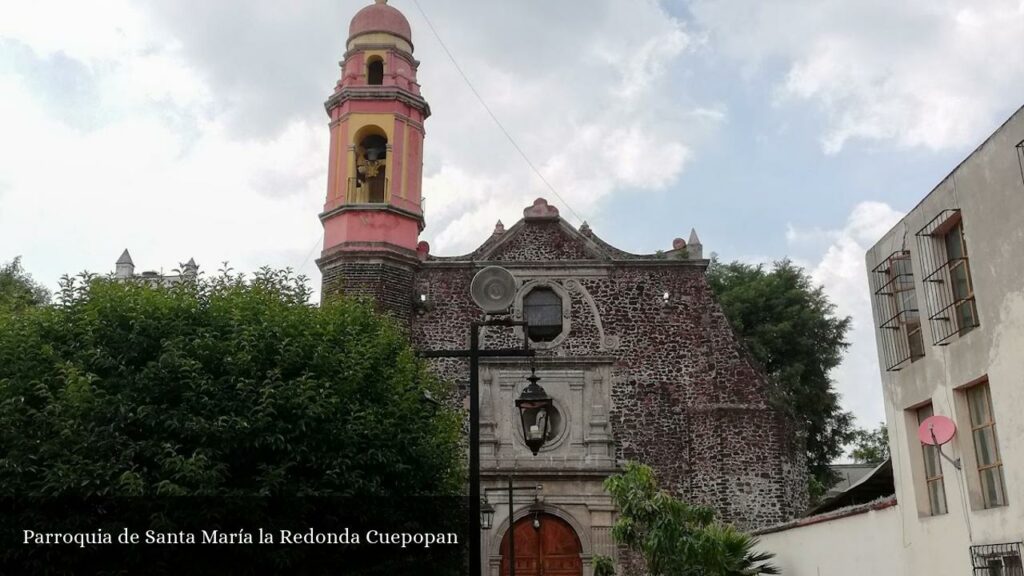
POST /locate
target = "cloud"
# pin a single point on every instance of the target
(592, 107)
(74, 199)
(917, 73)
(840, 270)
(197, 128)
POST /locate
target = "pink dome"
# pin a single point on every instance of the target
(380, 17)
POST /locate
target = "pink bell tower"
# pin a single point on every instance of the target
(374, 209)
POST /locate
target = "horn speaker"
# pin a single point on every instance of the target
(493, 289)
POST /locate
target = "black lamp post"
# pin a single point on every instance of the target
(474, 354)
(534, 406)
(493, 289)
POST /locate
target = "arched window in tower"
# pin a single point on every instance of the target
(375, 71)
(371, 163)
(542, 310)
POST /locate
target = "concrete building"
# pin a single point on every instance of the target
(947, 287)
(634, 349)
(948, 298)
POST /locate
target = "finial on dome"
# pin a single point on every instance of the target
(381, 1)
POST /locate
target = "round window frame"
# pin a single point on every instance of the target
(562, 294)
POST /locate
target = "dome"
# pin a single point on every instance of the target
(380, 17)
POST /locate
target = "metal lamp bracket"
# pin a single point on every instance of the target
(938, 447)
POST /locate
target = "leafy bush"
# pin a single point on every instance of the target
(675, 538)
(603, 566)
(18, 290)
(222, 388)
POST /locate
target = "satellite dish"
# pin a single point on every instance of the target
(493, 289)
(936, 430)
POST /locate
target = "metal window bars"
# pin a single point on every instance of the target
(892, 283)
(948, 313)
(1020, 160)
(997, 560)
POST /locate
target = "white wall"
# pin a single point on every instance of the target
(864, 544)
(988, 189)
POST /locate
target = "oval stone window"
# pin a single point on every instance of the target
(542, 310)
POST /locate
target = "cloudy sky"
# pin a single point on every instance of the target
(800, 128)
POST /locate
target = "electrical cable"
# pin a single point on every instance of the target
(492, 115)
(312, 250)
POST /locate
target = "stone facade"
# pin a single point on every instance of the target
(384, 280)
(646, 368)
(638, 357)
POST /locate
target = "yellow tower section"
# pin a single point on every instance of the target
(374, 200)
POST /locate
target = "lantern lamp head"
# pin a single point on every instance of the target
(534, 406)
(486, 515)
(536, 509)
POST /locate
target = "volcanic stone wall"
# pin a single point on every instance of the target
(386, 283)
(686, 399)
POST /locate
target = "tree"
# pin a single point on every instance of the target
(790, 327)
(871, 446)
(224, 399)
(18, 290)
(675, 538)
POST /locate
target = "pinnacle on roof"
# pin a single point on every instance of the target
(125, 258)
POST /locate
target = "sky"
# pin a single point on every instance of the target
(793, 128)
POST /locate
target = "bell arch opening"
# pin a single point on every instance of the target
(371, 151)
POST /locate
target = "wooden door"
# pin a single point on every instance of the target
(553, 549)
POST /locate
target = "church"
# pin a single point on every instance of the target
(637, 355)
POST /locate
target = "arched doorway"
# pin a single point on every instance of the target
(545, 546)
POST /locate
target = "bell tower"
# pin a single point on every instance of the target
(374, 209)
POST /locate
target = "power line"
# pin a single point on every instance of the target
(312, 250)
(491, 113)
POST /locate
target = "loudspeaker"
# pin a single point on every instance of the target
(493, 289)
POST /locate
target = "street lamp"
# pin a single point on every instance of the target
(534, 406)
(486, 515)
(511, 518)
(493, 290)
(536, 509)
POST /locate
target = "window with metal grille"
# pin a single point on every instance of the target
(997, 560)
(896, 304)
(949, 289)
(933, 479)
(986, 446)
(542, 309)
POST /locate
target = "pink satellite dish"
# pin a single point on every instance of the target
(936, 430)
